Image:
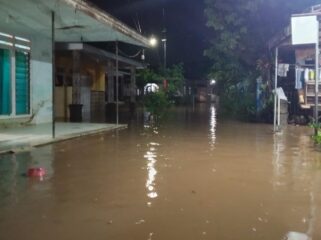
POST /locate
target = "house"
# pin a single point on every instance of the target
(29, 80)
(293, 60)
(97, 86)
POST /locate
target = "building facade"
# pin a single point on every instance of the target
(28, 36)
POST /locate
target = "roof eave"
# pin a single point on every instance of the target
(106, 18)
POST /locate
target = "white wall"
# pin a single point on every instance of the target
(40, 78)
(41, 95)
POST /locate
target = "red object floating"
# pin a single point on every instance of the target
(36, 172)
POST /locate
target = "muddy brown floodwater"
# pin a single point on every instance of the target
(191, 178)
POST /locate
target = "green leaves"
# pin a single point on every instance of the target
(147, 75)
(174, 76)
(157, 103)
(241, 30)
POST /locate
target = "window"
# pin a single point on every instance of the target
(22, 83)
(14, 75)
(5, 82)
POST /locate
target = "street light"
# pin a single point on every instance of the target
(153, 41)
(164, 40)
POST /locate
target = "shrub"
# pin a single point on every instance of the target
(156, 103)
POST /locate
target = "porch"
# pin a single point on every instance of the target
(24, 138)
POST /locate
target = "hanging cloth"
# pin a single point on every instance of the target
(311, 74)
(306, 75)
(299, 78)
(283, 69)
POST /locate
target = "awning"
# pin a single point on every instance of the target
(76, 21)
(99, 53)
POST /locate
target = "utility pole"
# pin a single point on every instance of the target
(117, 84)
(317, 78)
(164, 40)
(53, 73)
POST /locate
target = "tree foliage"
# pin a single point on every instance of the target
(240, 33)
(157, 103)
(147, 75)
(175, 78)
(243, 27)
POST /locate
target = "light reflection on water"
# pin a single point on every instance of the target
(212, 127)
(151, 157)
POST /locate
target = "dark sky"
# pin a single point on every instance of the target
(184, 21)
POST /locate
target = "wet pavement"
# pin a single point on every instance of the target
(193, 177)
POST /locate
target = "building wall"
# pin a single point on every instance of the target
(40, 79)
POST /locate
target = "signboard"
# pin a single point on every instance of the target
(304, 30)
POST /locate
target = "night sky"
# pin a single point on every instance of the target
(185, 24)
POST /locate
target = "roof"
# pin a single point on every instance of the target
(75, 21)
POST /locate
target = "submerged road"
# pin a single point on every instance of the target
(191, 178)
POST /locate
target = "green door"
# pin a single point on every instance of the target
(5, 82)
(22, 83)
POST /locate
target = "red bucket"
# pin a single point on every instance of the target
(36, 172)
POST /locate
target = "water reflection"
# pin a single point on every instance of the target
(102, 184)
(297, 236)
(278, 160)
(151, 157)
(294, 167)
(212, 125)
(313, 214)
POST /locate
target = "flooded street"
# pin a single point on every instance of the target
(193, 177)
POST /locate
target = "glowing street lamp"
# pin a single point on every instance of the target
(213, 82)
(153, 41)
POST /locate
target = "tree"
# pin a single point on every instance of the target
(158, 103)
(175, 78)
(147, 75)
(241, 30)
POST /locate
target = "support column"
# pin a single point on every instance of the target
(133, 85)
(275, 87)
(121, 86)
(110, 82)
(110, 109)
(117, 84)
(316, 109)
(53, 73)
(76, 77)
(76, 106)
